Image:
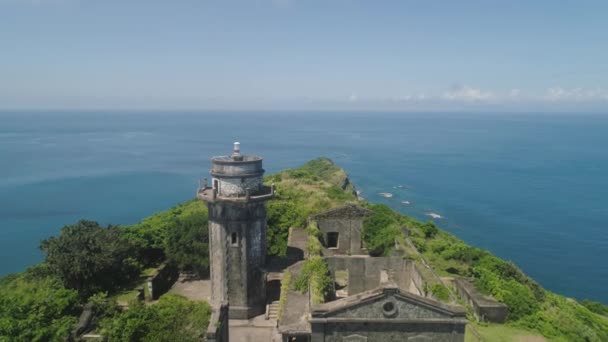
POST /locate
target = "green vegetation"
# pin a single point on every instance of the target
(440, 292)
(285, 286)
(380, 230)
(477, 332)
(89, 258)
(188, 244)
(565, 319)
(178, 235)
(173, 318)
(314, 274)
(595, 307)
(34, 306)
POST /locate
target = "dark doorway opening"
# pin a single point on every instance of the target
(332, 240)
(234, 239)
(273, 290)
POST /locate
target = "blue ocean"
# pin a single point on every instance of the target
(531, 188)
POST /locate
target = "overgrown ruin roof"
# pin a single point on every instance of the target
(349, 210)
(294, 319)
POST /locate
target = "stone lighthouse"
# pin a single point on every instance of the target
(237, 232)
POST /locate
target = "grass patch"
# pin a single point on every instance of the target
(500, 333)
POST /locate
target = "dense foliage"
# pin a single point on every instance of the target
(90, 258)
(380, 229)
(188, 244)
(595, 307)
(34, 306)
(314, 274)
(172, 318)
(178, 235)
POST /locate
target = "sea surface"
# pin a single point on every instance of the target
(531, 188)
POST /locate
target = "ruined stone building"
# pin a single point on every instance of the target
(375, 298)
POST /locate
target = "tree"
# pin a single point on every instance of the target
(90, 258)
(188, 244)
(148, 240)
(430, 229)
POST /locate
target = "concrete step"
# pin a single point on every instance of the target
(273, 310)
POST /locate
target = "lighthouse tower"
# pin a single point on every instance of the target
(237, 232)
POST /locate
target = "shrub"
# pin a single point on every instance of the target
(440, 292)
(34, 306)
(188, 244)
(430, 229)
(314, 275)
(419, 243)
(336, 193)
(595, 307)
(380, 229)
(285, 285)
(283, 212)
(172, 318)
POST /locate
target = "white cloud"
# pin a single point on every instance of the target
(514, 93)
(353, 98)
(558, 93)
(466, 93)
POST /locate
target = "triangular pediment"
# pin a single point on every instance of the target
(387, 304)
(350, 210)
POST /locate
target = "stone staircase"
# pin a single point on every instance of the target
(273, 310)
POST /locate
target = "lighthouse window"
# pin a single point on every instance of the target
(332, 240)
(233, 239)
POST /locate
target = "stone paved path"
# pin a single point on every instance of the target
(192, 288)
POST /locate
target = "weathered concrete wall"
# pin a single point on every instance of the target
(237, 249)
(349, 234)
(392, 331)
(235, 178)
(486, 308)
(217, 331)
(230, 187)
(417, 281)
(347, 221)
(228, 167)
(161, 281)
(366, 273)
(387, 314)
(84, 322)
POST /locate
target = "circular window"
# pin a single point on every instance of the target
(389, 309)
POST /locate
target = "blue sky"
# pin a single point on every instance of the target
(299, 54)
